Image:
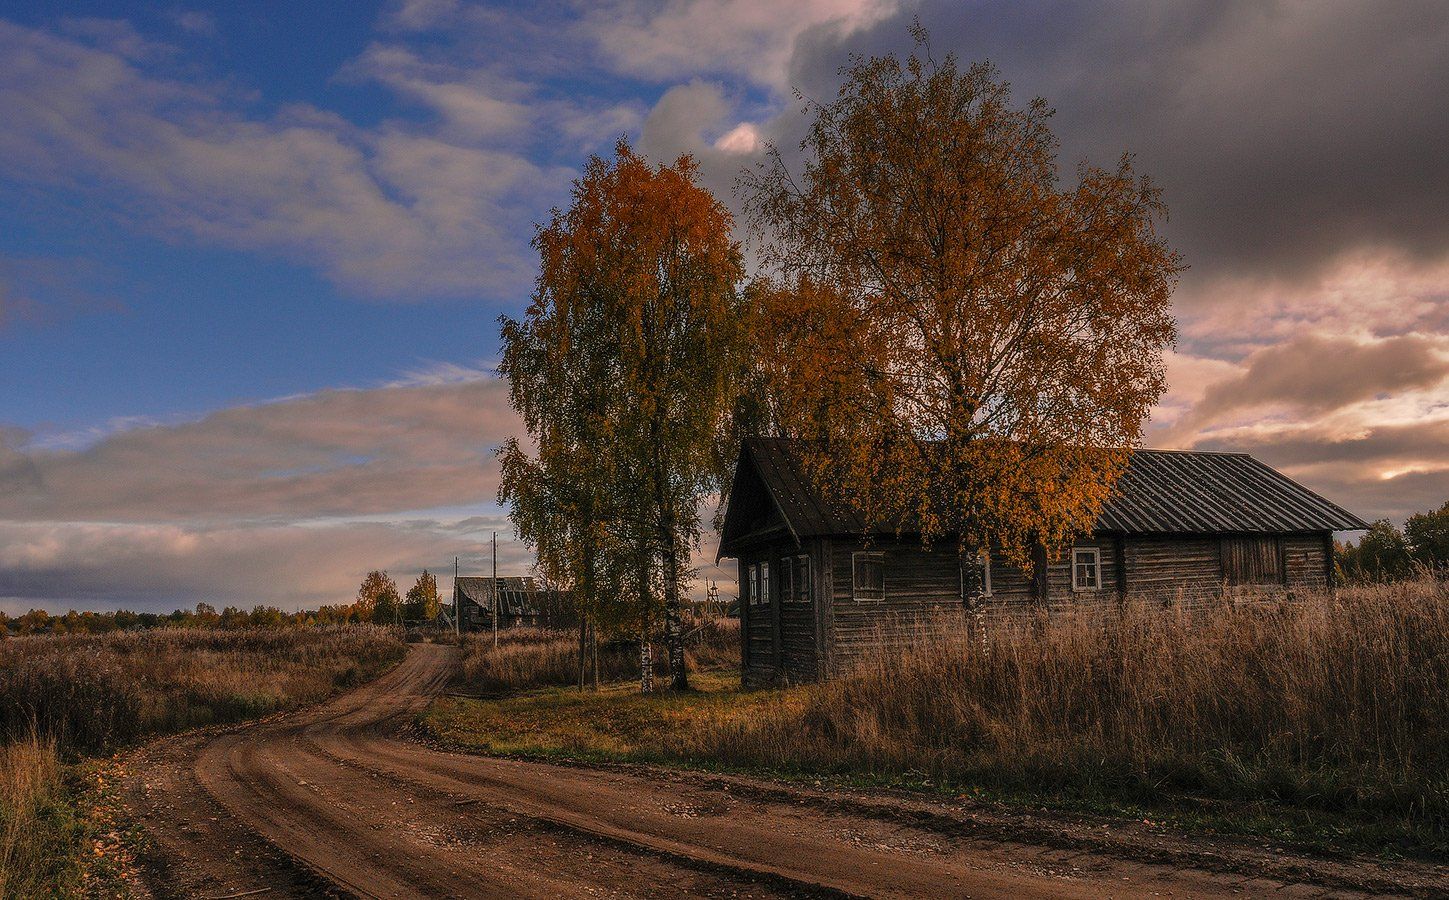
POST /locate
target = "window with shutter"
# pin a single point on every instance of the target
(869, 575)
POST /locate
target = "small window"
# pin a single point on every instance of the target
(973, 569)
(802, 581)
(1086, 569)
(869, 569)
(754, 585)
(787, 578)
(764, 582)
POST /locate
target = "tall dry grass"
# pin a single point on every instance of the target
(36, 828)
(529, 658)
(85, 694)
(89, 693)
(1328, 702)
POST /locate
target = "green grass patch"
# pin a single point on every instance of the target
(616, 724)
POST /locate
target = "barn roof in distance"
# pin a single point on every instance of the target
(1162, 492)
(516, 590)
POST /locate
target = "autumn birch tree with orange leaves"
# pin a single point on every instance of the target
(640, 284)
(971, 346)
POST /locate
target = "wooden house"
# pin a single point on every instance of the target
(816, 591)
(517, 601)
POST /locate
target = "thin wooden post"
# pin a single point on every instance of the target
(495, 590)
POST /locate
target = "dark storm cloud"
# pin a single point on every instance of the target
(1282, 133)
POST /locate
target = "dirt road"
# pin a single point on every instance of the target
(337, 800)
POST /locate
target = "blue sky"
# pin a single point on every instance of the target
(252, 255)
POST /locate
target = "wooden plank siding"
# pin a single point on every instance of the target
(790, 641)
(1306, 561)
(780, 636)
(921, 588)
(1173, 568)
(1059, 572)
(757, 625)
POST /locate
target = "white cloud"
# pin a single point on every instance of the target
(753, 39)
(744, 138)
(385, 212)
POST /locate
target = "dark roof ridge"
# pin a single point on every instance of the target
(1161, 492)
(792, 440)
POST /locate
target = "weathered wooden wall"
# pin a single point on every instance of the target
(1173, 568)
(1306, 561)
(757, 627)
(785, 640)
(922, 589)
(797, 634)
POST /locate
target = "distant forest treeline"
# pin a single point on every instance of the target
(378, 601)
(38, 621)
(1387, 553)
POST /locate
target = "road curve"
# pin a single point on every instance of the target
(337, 800)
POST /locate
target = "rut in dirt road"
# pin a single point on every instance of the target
(337, 800)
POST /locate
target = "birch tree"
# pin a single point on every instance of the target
(971, 346)
(627, 369)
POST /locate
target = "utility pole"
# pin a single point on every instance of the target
(457, 603)
(495, 590)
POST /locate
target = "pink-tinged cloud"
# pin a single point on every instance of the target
(1317, 373)
(162, 567)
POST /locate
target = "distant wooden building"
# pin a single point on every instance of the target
(815, 594)
(522, 601)
(518, 601)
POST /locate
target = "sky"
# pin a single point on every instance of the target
(252, 256)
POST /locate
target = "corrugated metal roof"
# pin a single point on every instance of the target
(517, 591)
(1162, 492)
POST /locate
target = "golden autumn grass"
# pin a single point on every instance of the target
(530, 657)
(64, 697)
(1324, 720)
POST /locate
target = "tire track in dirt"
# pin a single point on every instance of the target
(336, 800)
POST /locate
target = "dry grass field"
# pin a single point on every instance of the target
(530, 657)
(63, 697)
(1319, 719)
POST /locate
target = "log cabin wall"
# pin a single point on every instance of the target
(798, 645)
(1187, 569)
(1307, 561)
(922, 588)
(1059, 573)
(780, 636)
(757, 622)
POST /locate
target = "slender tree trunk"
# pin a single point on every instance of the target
(646, 649)
(646, 664)
(673, 615)
(594, 654)
(583, 647)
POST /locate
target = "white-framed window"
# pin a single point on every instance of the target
(1086, 569)
(764, 583)
(978, 566)
(868, 575)
(754, 584)
(802, 579)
